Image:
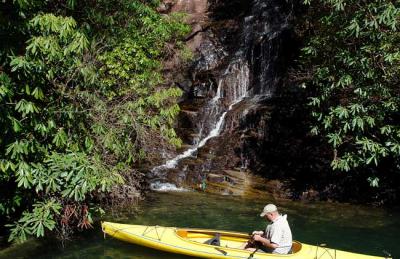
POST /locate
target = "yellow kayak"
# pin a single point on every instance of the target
(192, 242)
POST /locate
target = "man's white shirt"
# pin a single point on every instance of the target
(279, 232)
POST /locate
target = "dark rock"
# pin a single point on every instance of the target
(215, 178)
(310, 195)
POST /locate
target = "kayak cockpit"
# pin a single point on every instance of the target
(226, 239)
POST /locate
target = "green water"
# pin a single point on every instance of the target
(347, 227)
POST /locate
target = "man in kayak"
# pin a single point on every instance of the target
(277, 237)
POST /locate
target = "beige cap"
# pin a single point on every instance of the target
(268, 209)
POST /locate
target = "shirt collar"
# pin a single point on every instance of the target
(280, 217)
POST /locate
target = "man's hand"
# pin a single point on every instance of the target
(258, 237)
(265, 241)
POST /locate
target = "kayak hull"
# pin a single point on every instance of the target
(190, 242)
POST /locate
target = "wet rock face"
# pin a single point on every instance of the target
(240, 48)
(226, 10)
(265, 33)
(210, 56)
(252, 35)
(257, 33)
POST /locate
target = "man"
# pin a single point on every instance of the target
(277, 237)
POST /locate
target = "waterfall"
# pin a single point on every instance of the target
(234, 83)
(238, 66)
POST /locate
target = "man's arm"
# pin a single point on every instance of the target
(265, 242)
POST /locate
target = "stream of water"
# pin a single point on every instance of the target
(348, 227)
(232, 88)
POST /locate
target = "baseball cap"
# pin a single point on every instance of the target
(268, 209)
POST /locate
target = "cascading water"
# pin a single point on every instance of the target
(232, 89)
(237, 68)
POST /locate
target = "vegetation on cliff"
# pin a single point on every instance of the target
(351, 62)
(82, 103)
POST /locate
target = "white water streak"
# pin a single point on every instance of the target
(239, 88)
(213, 133)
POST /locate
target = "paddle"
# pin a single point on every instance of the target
(257, 246)
(252, 254)
(221, 251)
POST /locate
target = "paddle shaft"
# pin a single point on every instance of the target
(257, 246)
(252, 254)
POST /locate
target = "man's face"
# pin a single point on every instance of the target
(268, 216)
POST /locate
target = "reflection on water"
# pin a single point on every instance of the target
(347, 227)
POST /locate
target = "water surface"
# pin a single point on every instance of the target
(348, 227)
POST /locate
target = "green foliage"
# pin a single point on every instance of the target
(353, 55)
(82, 101)
(139, 53)
(35, 222)
(71, 175)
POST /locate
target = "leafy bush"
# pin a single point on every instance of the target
(353, 57)
(81, 106)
